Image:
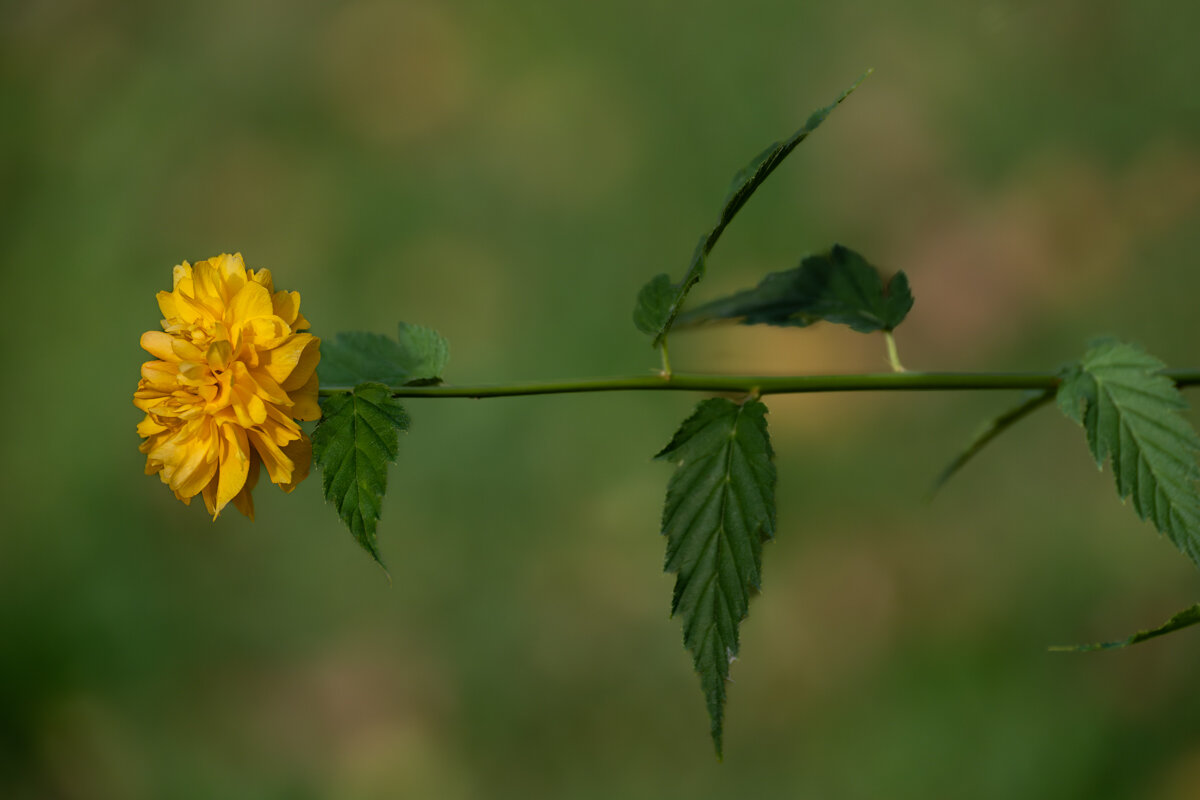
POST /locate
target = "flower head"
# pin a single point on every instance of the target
(233, 375)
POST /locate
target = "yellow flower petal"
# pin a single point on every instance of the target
(279, 466)
(286, 305)
(263, 278)
(300, 453)
(206, 283)
(158, 344)
(267, 388)
(218, 355)
(244, 500)
(189, 476)
(232, 271)
(184, 350)
(304, 400)
(251, 302)
(306, 366)
(266, 333)
(180, 274)
(166, 304)
(280, 426)
(209, 494)
(160, 373)
(234, 464)
(148, 427)
(280, 361)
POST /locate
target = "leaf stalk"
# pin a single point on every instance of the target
(893, 354)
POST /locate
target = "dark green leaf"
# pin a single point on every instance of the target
(1185, 618)
(353, 444)
(1130, 413)
(720, 509)
(417, 356)
(989, 431)
(838, 286)
(654, 304)
(659, 300)
(751, 176)
(656, 318)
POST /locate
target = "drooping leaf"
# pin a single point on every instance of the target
(667, 304)
(838, 286)
(417, 356)
(353, 444)
(1187, 617)
(1130, 411)
(990, 430)
(720, 509)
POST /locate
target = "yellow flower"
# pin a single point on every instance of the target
(233, 375)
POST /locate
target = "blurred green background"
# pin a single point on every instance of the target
(510, 173)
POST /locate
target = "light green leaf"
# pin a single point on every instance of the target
(667, 304)
(427, 353)
(353, 444)
(720, 509)
(839, 286)
(1130, 413)
(417, 356)
(1187, 617)
(989, 431)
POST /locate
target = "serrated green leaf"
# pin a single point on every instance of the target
(353, 444)
(1130, 413)
(658, 317)
(989, 431)
(417, 356)
(720, 509)
(839, 286)
(1187, 617)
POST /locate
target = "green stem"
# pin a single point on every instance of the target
(893, 354)
(764, 384)
(666, 359)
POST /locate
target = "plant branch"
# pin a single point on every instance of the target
(764, 384)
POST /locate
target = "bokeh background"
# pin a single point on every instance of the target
(510, 173)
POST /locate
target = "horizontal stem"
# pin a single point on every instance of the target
(764, 384)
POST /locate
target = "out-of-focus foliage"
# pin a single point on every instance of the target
(1184, 619)
(417, 356)
(510, 174)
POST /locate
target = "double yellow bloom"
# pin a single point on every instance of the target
(234, 374)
